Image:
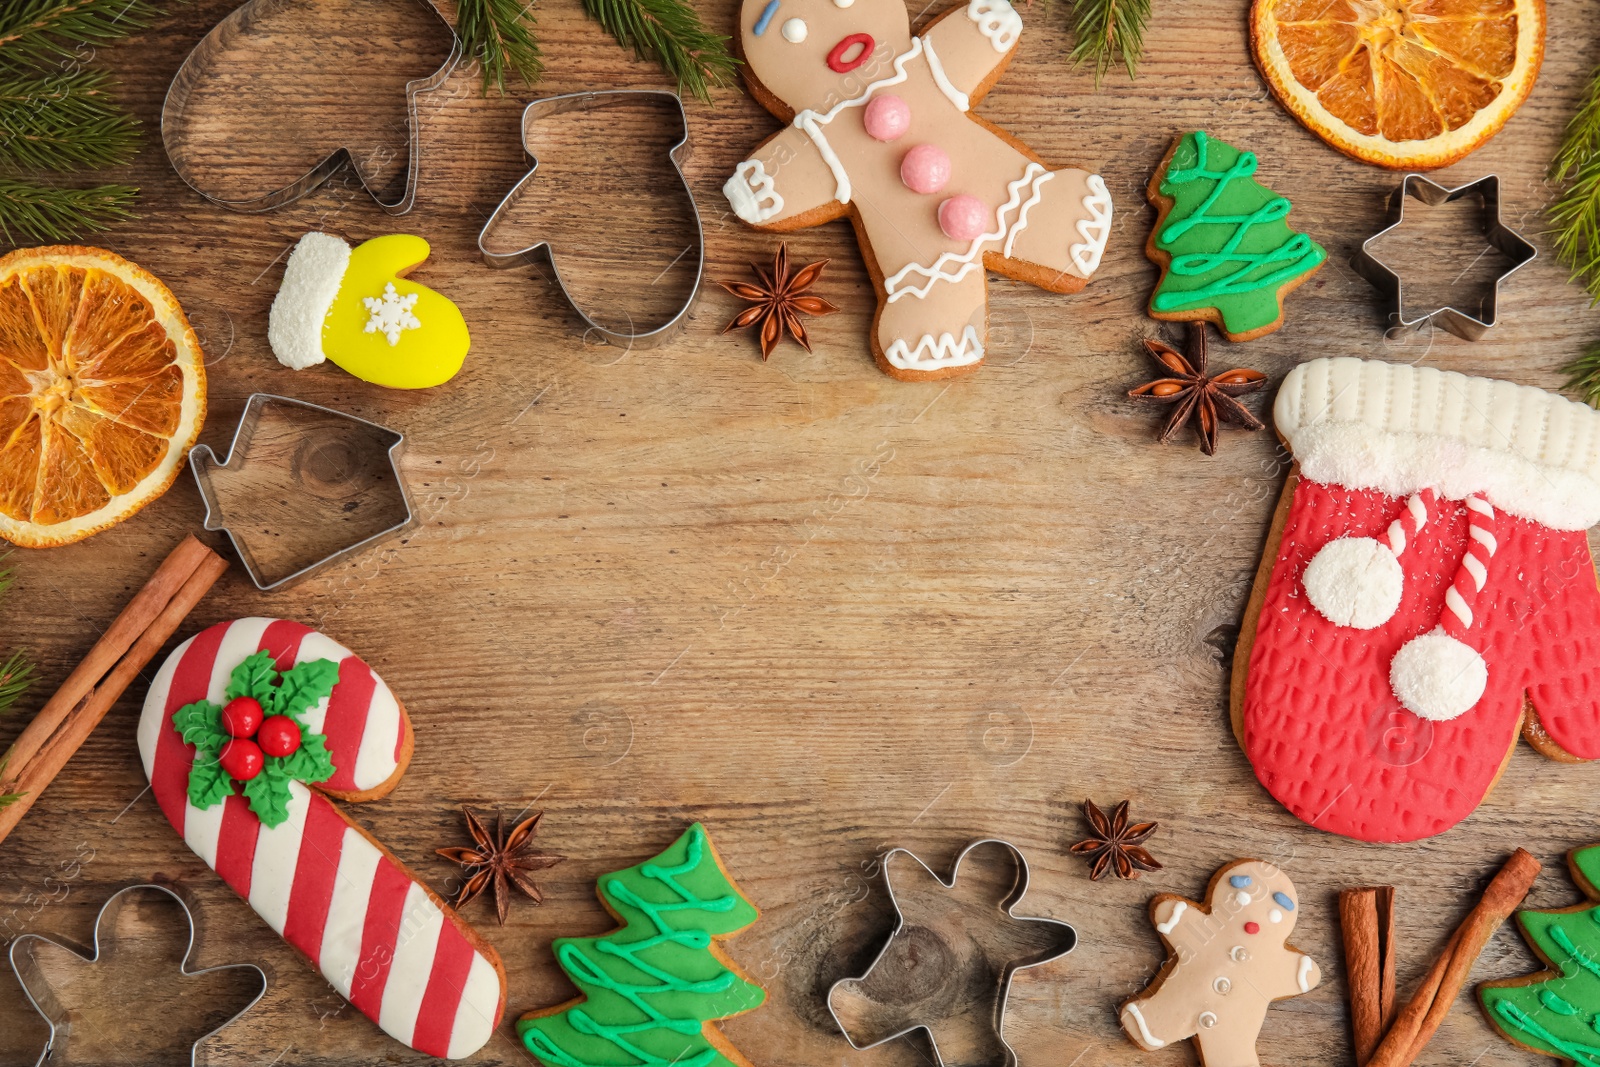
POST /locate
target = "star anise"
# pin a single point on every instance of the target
(779, 298)
(1206, 399)
(1113, 845)
(500, 861)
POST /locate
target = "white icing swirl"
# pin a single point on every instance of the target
(751, 194)
(997, 20)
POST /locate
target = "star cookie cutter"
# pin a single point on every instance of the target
(201, 64)
(310, 486)
(37, 988)
(1064, 939)
(1500, 236)
(541, 252)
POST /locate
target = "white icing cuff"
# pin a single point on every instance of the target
(1399, 429)
(935, 354)
(310, 283)
(996, 20)
(751, 194)
(1095, 229)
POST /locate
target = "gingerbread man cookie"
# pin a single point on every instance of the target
(1228, 962)
(880, 130)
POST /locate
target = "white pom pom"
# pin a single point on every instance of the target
(1438, 677)
(1355, 581)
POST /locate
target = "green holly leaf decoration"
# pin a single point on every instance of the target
(209, 784)
(304, 686)
(268, 794)
(253, 678)
(200, 724)
(309, 763)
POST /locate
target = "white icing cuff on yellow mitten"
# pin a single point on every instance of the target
(1094, 228)
(750, 193)
(997, 20)
(933, 353)
(310, 283)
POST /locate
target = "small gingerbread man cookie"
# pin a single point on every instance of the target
(1228, 962)
(881, 130)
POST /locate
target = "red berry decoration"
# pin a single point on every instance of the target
(279, 736)
(242, 717)
(242, 759)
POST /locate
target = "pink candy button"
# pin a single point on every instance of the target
(962, 218)
(887, 117)
(925, 169)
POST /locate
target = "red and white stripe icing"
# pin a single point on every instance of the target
(1462, 595)
(379, 938)
(1414, 516)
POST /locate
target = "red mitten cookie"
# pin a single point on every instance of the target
(1426, 593)
(240, 720)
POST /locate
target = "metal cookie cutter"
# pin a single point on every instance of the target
(36, 987)
(200, 67)
(303, 487)
(933, 962)
(1497, 233)
(541, 251)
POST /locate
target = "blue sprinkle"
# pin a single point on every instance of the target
(1283, 901)
(766, 16)
(1239, 881)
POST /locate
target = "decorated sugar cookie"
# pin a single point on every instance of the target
(1230, 959)
(880, 130)
(1426, 593)
(248, 729)
(357, 308)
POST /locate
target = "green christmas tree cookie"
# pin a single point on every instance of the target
(1226, 253)
(1557, 1011)
(651, 989)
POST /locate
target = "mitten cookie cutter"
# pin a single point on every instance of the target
(1502, 237)
(541, 251)
(321, 455)
(1067, 940)
(196, 66)
(31, 979)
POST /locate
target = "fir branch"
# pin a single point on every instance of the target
(46, 213)
(64, 122)
(671, 33)
(499, 34)
(38, 33)
(1576, 212)
(16, 674)
(7, 799)
(1583, 376)
(1107, 30)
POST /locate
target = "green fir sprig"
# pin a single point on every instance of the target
(7, 799)
(1583, 376)
(42, 212)
(499, 34)
(1576, 211)
(1108, 31)
(16, 673)
(64, 122)
(43, 33)
(671, 33)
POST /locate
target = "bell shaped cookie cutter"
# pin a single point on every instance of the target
(37, 990)
(1502, 237)
(199, 65)
(1064, 935)
(320, 478)
(541, 251)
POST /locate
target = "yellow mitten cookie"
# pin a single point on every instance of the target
(358, 309)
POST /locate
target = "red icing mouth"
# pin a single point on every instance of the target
(1252, 928)
(863, 45)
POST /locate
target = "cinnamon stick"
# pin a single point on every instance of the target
(1421, 1016)
(1366, 916)
(89, 692)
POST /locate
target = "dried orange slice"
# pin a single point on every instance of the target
(102, 392)
(1413, 84)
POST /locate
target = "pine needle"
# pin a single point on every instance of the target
(7, 799)
(1576, 212)
(16, 674)
(499, 34)
(1106, 31)
(46, 213)
(671, 33)
(64, 122)
(38, 33)
(1583, 376)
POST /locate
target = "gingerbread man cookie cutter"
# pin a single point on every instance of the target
(1503, 238)
(211, 54)
(1064, 938)
(541, 252)
(37, 989)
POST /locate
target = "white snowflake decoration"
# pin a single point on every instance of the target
(391, 313)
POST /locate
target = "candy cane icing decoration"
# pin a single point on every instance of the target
(1358, 581)
(1462, 595)
(379, 936)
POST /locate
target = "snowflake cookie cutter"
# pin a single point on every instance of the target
(540, 251)
(211, 54)
(1064, 938)
(1503, 238)
(36, 988)
(303, 487)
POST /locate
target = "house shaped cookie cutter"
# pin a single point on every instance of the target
(1502, 237)
(361, 439)
(42, 1000)
(540, 251)
(197, 65)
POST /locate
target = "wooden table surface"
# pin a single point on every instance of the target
(824, 612)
